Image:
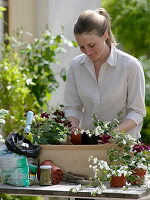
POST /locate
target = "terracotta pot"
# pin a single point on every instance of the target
(118, 181)
(76, 139)
(57, 173)
(139, 175)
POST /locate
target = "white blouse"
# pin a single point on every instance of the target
(120, 87)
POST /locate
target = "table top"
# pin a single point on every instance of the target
(63, 190)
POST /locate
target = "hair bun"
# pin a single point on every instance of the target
(103, 12)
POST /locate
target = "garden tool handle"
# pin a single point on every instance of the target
(28, 121)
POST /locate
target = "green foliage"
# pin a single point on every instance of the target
(145, 133)
(39, 58)
(14, 197)
(27, 78)
(13, 91)
(130, 24)
(1, 10)
(146, 63)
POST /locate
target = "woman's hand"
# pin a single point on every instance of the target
(125, 126)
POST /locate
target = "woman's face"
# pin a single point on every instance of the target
(92, 45)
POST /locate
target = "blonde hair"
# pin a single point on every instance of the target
(95, 21)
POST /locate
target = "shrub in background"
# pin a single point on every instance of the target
(27, 78)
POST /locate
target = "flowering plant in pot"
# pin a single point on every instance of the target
(133, 153)
(139, 162)
(50, 128)
(118, 166)
(116, 174)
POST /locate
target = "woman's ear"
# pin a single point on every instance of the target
(105, 35)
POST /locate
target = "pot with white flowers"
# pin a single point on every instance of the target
(116, 171)
(103, 172)
(139, 163)
(135, 155)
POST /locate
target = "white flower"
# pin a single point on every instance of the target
(129, 137)
(128, 184)
(124, 142)
(95, 160)
(87, 131)
(98, 130)
(2, 121)
(106, 124)
(82, 131)
(141, 166)
(76, 131)
(90, 158)
(108, 175)
(143, 159)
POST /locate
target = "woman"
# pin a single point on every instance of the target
(103, 80)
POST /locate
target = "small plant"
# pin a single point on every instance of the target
(50, 128)
(103, 171)
(103, 129)
(141, 157)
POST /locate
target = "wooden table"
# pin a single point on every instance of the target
(63, 190)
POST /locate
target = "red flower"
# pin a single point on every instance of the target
(59, 113)
(138, 148)
(105, 138)
(45, 115)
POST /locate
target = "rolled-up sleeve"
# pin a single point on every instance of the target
(72, 103)
(136, 92)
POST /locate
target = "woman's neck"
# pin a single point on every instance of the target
(100, 61)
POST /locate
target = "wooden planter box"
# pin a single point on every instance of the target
(74, 158)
